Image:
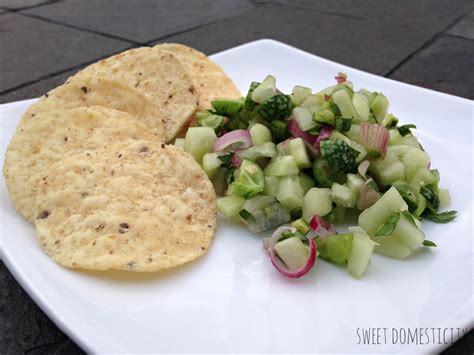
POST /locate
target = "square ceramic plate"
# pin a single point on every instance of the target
(232, 300)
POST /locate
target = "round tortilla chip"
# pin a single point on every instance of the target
(137, 206)
(53, 135)
(210, 80)
(158, 75)
(91, 91)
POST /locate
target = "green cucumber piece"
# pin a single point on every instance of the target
(199, 141)
(227, 107)
(255, 153)
(266, 218)
(301, 225)
(393, 172)
(414, 160)
(290, 193)
(306, 182)
(325, 175)
(260, 134)
(375, 216)
(395, 137)
(362, 249)
(304, 118)
(297, 149)
(258, 203)
(249, 181)
(230, 205)
(277, 107)
(335, 248)
(293, 252)
(282, 166)
(313, 100)
(265, 90)
(343, 196)
(316, 202)
(354, 133)
(299, 94)
(379, 107)
(361, 106)
(271, 185)
(211, 164)
(249, 104)
(355, 182)
(361, 152)
(343, 101)
(444, 198)
(392, 247)
(422, 178)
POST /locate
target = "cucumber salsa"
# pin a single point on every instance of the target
(302, 161)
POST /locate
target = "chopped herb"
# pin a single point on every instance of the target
(429, 243)
(343, 124)
(389, 225)
(406, 129)
(443, 217)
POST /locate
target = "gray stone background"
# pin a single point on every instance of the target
(428, 43)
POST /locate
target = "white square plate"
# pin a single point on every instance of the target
(232, 300)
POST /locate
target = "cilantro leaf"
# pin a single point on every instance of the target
(443, 217)
(389, 225)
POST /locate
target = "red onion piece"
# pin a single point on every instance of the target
(312, 151)
(297, 132)
(327, 97)
(269, 244)
(374, 137)
(236, 161)
(321, 227)
(325, 133)
(367, 196)
(230, 139)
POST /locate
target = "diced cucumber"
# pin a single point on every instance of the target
(335, 248)
(377, 166)
(373, 217)
(211, 163)
(342, 195)
(324, 117)
(395, 137)
(354, 133)
(249, 180)
(290, 193)
(379, 107)
(297, 149)
(227, 107)
(304, 118)
(362, 249)
(411, 141)
(354, 182)
(282, 147)
(422, 178)
(219, 181)
(249, 104)
(343, 101)
(179, 142)
(199, 141)
(265, 90)
(421, 205)
(271, 185)
(399, 150)
(414, 160)
(394, 171)
(282, 166)
(258, 202)
(260, 134)
(316, 202)
(408, 233)
(266, 218)
(301, 225)
(293, 252)
(391, 247)
(306, 182)
(255, 153)
(230, 205)
(335, 135)
(361, 105)
(312, 100)
(368, 94)
(299, 94)
(444, 198)
(389, 121)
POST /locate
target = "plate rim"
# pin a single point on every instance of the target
(56, 317)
